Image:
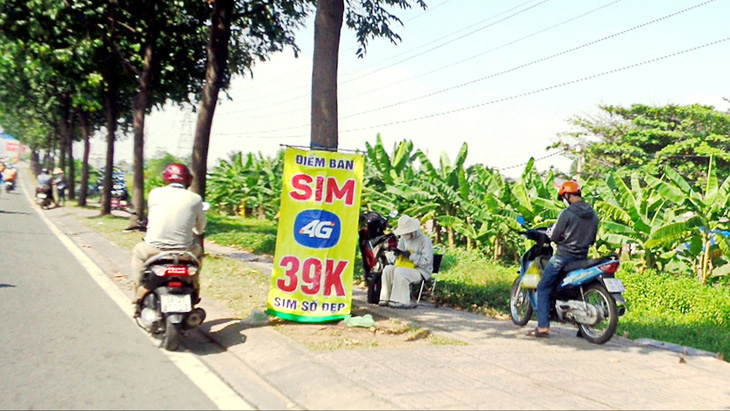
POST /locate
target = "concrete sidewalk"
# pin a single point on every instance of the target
(500, 368)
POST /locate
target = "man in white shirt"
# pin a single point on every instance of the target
(175, 217)
(414, 264)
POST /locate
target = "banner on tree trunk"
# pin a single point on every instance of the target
(317, 236)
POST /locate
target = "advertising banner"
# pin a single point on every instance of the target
(317, 236)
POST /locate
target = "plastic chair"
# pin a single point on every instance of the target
(434, 277)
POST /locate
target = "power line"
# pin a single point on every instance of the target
(297, 97)
(564, 52)
(591, 77)
(452, 64)
(525, 94)
(540, 60)
(525, 163)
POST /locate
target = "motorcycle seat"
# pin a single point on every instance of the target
(588, 262)
(172, 257)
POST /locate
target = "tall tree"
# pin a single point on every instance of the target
(240, 33)
(370, 19)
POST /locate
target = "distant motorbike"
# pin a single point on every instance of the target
(169, 309)
(9, 186)
(44, 196)
(589, 295)
(377, 250)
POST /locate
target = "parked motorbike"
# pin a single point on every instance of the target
(377, 250)
(168, 310)
(9, 186)
(589, 295)
(44, 196)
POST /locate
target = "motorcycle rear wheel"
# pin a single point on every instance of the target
(602, 331)
(520, 309)
(171, 338)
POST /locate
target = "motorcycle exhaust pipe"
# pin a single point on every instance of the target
(195, 318)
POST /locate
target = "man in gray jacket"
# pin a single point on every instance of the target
(574, 232)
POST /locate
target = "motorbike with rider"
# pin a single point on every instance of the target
(166, 263)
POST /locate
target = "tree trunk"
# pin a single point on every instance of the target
(139, 109)
(71, 171)
(35, 165)
(220, 33)
(85, 163)
(110, 103)
(327, 28)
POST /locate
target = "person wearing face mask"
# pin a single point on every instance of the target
(573, 233)
(414, 264)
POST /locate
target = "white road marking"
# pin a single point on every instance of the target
(222, 395)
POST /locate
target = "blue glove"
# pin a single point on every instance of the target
(406, 254)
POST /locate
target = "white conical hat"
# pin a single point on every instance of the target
(406, 224)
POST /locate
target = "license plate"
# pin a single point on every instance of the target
(41, 195)
(173, 303)
(614, 285)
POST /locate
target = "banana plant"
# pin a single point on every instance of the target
(629, 214)
(705, 213)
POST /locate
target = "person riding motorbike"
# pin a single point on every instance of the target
(175, 217)
(44, 185)
(414, 264)
(573, 233)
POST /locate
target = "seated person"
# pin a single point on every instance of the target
(414, 264)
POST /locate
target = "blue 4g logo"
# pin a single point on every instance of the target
(317, 229)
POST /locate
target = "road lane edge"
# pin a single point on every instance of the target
(217, 390)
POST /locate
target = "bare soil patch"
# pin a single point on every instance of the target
(386, 333)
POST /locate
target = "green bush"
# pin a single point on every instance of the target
(675, 309)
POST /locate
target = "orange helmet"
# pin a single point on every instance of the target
(568, 187)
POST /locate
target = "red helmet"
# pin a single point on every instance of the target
(177, 173)
(568, 187)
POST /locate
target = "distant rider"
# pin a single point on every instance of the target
(573, 233)
(414, 264)
(174, 217)
(44, 184)
(61, 184)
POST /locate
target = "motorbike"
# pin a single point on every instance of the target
(168, 310)
(589, 296)
(9, 186)
(377, 250)
(44, 196)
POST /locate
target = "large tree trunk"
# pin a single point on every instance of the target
(85, 163)
(35, 165)
(110, 103)
(327, 28)
(139, 109)
(220, 33)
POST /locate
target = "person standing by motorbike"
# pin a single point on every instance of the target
(414, 264)
(60, 182)
(174, 218)
(573, 233)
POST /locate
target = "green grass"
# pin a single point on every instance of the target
(661, 306)
(258, 236)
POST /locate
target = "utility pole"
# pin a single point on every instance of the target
(185, 141)
(581, 158)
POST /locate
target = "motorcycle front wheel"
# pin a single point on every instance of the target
(171, 338)
(520, 309)
(603, 330)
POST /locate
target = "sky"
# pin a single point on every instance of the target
(501, 76)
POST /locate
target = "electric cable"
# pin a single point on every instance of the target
(561, 53)
(528, 93)
(297, 97)
(452, 64)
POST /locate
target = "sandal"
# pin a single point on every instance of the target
(539, 334)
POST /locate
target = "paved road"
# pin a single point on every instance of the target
(64, 342)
